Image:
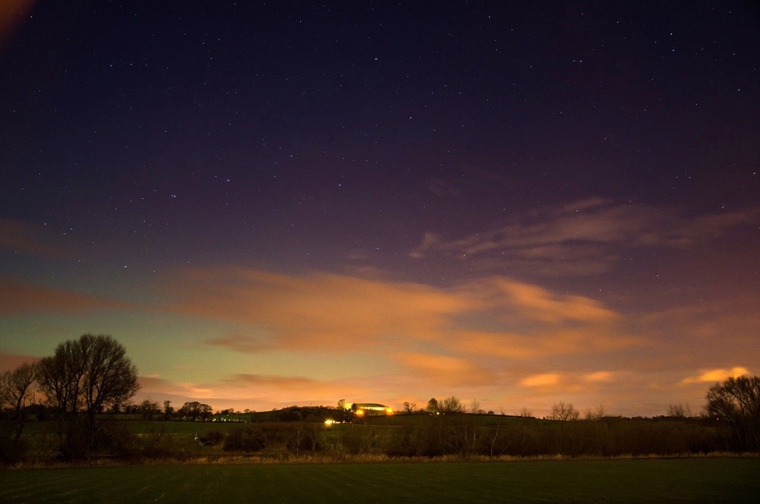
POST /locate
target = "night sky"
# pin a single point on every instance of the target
(289, 203)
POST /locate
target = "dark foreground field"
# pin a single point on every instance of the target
(650, 480)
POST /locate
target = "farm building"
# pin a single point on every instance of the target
(370, 409)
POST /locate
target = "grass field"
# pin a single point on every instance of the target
(646, 480)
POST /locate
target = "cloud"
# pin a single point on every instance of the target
(13, 13)
(429, 241)
(599, 376)
(298, 387)
(541, 380)
(583, 237)
(17, 298)
(715, 375)
(547, 343)
(542, 304)
(423, 327)
(319, 311)
(443, 188)
(239, 343)
(328, 312)
(12, 361)
(274, 381)
(24, 237)
(703, 335)
(718, 320)
(485, 334)
(447, 370)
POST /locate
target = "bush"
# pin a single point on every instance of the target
(247, 439)
(159, 445)
(304, 436)
(116, 438)
(211, 438)
(10, 452)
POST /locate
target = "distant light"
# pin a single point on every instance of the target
(329, 422)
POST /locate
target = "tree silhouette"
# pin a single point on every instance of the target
(432, 405)
(736, 404)
(86, 376)
(564, 412)
(16, 393)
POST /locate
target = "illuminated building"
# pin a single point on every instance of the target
(370, 409)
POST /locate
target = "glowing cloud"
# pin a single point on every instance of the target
(716, 375)
(599, 376)
(541, 380)
(346, 313)
(541, 304)
(319, 311)
(447, 370)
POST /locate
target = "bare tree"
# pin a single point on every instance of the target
(451, 404)
(474, 406)
(524, 412)
(597, 414)
(679, 410)
(61, 378)
(564, 412)
(87, 375)
(16, 393)
(736, 403)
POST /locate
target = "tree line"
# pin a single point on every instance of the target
(90, 375)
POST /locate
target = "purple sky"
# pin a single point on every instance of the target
(293, 203)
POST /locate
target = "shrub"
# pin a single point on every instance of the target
(247, 439)
(160, 445)
(211, 438)
(11, 452)
(305, 437)
(116, 438)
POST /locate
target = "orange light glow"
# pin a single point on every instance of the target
(360, 412)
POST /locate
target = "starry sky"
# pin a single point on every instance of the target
(277, 203)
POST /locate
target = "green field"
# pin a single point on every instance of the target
(645, 480)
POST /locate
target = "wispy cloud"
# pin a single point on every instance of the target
(18, 298)
(240, 343)
(584, 237)
(541, 304)
(442, 187)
